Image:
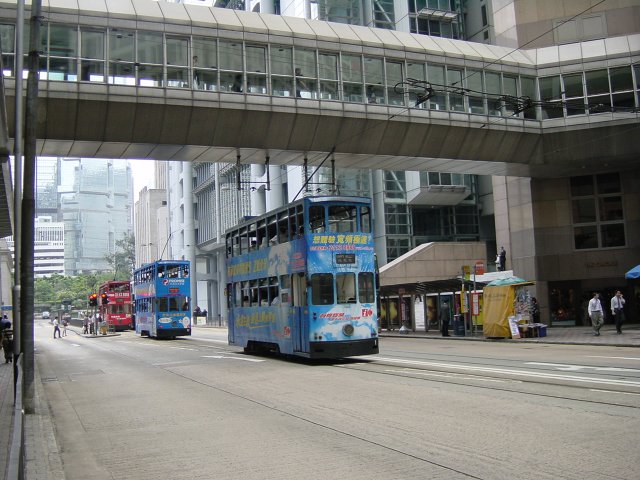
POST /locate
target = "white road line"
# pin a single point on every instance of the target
(576, 368)
(75, 344)
(224, 357)
(614, 358)
(521, 373)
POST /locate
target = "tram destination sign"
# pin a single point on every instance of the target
(345, 258)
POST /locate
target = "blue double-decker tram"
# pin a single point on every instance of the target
(162, 299)
(301, 280)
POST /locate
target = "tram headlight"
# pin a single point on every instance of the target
(348, 330)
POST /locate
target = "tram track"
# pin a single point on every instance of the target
(514, 385)
(197, 349)
(493, 373)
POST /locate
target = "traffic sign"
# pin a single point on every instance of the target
(479, 269)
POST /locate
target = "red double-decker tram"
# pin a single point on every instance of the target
(114, 299)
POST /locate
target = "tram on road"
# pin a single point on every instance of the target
(301, 279)
(115, 304)
(162, 299)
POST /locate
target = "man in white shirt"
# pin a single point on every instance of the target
(595, 313)
(617, 309)
(56, 327)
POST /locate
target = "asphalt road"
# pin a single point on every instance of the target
(126, 407)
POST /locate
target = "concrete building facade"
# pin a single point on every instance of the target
(592, 216)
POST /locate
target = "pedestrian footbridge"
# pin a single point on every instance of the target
(142, 79)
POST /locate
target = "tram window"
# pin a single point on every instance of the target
(253, 237)
(163, 305)
(316, 218)
(346, 287)
(283, 228)
(246, 294)
(253, 285)
(322, 289)
(263, 292)
(342, 218)
(272, 230)
(160, 271)
(366, 290)
(365, 220)
(261, 235)
(300, 220)
(274, 294)
(236, 300)
(285, 286)
(173, 304)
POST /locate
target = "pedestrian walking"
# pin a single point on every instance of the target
(445, 318)
(596, 313)
(65, 324)
(617, 309)
(85, 325)
(6, 342)
(56, 327)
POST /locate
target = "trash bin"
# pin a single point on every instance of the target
(458, 325)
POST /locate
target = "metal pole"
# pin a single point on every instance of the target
(17, 188)
(28, 209)
(473, 313)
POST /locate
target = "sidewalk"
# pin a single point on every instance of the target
(555, 335)
(42, 460)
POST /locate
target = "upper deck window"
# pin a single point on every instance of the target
(316, 218)
(365, 220)
(343, 218)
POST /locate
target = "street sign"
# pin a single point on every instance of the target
(475, 304)
(479, 267)
(466, 272)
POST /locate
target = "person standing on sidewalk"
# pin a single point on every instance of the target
(595, 313)
(56, 327)
(617, 308)
(445, 318)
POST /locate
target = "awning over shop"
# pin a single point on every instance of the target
(434, 286)
(634, 273)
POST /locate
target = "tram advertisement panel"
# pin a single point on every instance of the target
(350, 258)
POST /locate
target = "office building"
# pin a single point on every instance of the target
(584, 222)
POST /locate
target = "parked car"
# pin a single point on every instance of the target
(46, 315)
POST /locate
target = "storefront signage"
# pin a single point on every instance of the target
(610, 263)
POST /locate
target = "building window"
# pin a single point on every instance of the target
(395, 185)
(597, 211)
(281, 71)
(483, 12)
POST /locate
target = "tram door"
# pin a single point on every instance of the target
(300, 326)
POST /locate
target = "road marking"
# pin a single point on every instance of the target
(168, 363)
(224, 357)
(521, 373)
(613, 391)
(576, 368)
(75, 344)
(615, 358)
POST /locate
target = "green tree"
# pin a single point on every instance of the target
(123, 260)
(49, 292)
